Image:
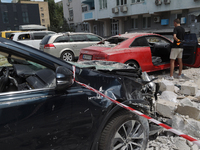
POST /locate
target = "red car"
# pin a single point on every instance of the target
(148, 51)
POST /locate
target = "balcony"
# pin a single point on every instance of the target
(89, 15)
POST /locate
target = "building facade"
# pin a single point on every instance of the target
(43, 11)
(72, 10)
(110, 17)
(15, 14)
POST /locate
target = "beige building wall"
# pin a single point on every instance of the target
(43, 10)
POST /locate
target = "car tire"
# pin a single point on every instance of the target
(67, 56)
(133, 64)
(125, 130)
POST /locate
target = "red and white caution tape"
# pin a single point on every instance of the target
(139, 113)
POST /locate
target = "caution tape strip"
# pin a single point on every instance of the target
(139, 113)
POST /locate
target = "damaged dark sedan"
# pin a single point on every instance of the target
(43, 107)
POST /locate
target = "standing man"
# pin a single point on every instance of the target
(177, 48)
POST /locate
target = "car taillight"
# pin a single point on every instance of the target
(101, 56)
(49, 46)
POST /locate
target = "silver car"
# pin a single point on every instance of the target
(67, 45)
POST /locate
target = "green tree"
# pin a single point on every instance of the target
(57, 21)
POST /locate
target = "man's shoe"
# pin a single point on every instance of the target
(170, 78)
(180, 77)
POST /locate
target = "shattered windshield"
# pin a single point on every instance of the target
(113, 41)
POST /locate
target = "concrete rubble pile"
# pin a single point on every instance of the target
(178, 106)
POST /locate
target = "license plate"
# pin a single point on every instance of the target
(88, 57)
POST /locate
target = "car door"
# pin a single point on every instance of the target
(25, 38)
(37, 38)
(191, 51)
(40, 118)
(79, 41)
(140, 51)
(92, 39)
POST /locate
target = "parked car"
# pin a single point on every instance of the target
(7, 34)
(31, 38)
(41, 107)
(147, 51)
(67, 46)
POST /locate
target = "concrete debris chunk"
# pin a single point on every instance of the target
(181, 143)
(169, 96)
(165, 108)
(189, 88)
(166, 85)
(198, 83)
(188, 126)
(187, 107)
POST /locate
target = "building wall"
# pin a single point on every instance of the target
(148, 8)
(76, 21)
(43, 11)
(11, 15)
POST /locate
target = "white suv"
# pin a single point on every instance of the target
(67, 45)
(31, 38)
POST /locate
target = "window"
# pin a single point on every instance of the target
(39, 36)
(134, 23)
(115, 27)
(69, 1)
(14, 8)
(146, 22)
(5, 17)
(140, 42)
(103, 4)
(93, 37)
(115, 40)
(155, 39)
(71, 12)
(84, 8)
(121, 2)
(24, 37)
(85, 26)
(95, 29)
(27, 73)
(25, 17)
(4, 12)
(25, 14)
(61, 39)
(42, 15)
(41, 9)
(137, 1)
(78, 38)
(43, 20)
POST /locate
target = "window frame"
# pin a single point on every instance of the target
(121, 2)
(103, 4)
(134, 23)
(147, 24)
(137, 1)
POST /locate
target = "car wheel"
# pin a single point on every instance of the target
(133, 64)
(67, 56)
(125, 131)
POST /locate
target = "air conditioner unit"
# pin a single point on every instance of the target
(156, 19)
(115, 10)
(124, 9)
(167, 2)
(158, 2)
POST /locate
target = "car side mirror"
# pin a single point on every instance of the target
(64, 78)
